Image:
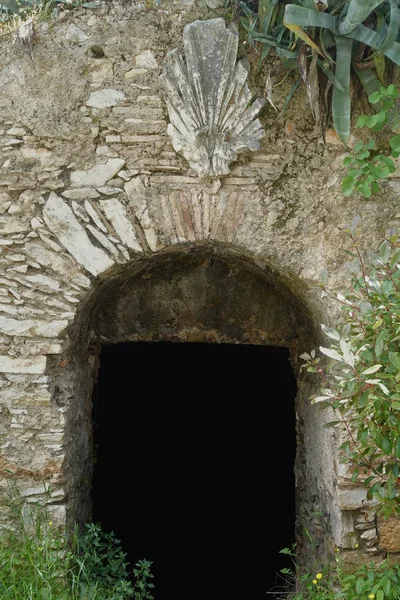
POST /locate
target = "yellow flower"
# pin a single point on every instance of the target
(336, 549)
(40, 549)
(319, 576)
(371, 596)
(50, 523)
(356, 546)
(314, 581)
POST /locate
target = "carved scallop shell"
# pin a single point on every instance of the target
(211, 115)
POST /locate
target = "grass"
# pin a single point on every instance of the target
(38, 561)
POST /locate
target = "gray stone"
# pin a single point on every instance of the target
(22, 365)
(98, 175)
(209, 103)
(354, 499)
(105, 98)
(146, 60)
(215, 4)
(80, 194)
(117, 215)
(61, 221)
(9, 225)
(109, 191)
(31, 328)
(75, 34)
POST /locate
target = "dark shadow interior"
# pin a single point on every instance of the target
(195, 447)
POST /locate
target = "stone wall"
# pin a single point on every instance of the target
(96, 208)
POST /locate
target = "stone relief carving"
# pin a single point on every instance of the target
(208, 99)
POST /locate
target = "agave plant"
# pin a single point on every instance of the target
(340, 34)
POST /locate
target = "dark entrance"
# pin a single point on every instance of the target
(194, 471)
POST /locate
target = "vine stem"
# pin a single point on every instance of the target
(360, 258)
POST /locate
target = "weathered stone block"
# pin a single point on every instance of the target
(22, 365)
(389, 534)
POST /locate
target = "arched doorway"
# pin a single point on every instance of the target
(205, 298)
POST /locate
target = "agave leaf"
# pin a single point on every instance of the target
(267, 12)
(312, 18)
(371, 38)
(290, 94)
(330, 75)
(341, 98)
(312, 87)
(297, 30)
(288, 58)
(379, 62)
(394, 25)
(357, 12)
(304, 17)
(263, 8)
(11, 5)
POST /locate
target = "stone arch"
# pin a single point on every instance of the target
(215, 293)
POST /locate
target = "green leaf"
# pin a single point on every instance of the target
(359, 585)
(391, 91)
(397, 448)
(386, 446)
(373, 99)
(384, 251)
(364, 437)
(394, 358)
(379, 62)
(348, 161)
(371, 370)
(395, 143)
(365, 189)
(331, 353)
(348, 185)
(380, 342)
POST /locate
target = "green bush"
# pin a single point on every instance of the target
(39, 562)
(369, 581)
(361, 381)
(366, 165)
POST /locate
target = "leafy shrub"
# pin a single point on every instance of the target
(38, 562)
(366, 166)
(368, 582)
(381, 582)
(100, 565)
(361, 381)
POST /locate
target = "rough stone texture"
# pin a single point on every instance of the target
(106, 233)
(389, 534)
